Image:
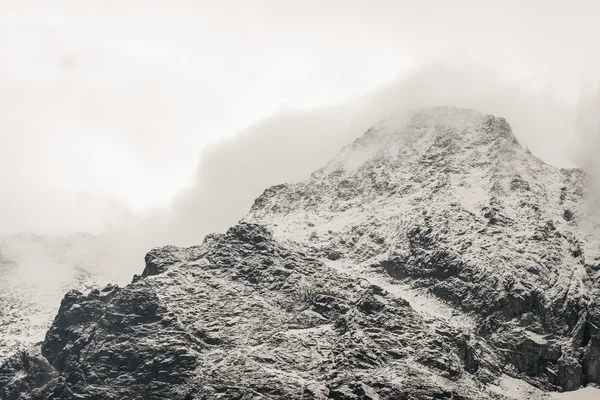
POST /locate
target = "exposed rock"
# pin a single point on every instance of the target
(35, 273)
(227, 320)
(25, 372)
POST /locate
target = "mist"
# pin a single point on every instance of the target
(291, 144)
(586, 144)
(110, 112)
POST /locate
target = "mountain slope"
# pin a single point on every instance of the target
(447, 199)
(434, 258)
(35, 273)
(242, 317)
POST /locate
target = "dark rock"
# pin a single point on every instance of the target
(23, 373)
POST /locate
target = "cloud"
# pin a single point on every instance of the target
(584, 149)
(285, 147)
(119, 100)
(291, 144)
(586, 146)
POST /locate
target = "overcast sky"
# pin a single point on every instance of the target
(107, 106)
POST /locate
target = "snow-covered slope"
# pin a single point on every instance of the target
(244, 317)
(582, 394)
(447, 199)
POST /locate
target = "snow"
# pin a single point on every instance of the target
(429, 307)
(441, 161)
(41, 269)
(470, 191)
(535, 337)
(539, 339)
(355, 157)
(588, 393)
(517, 389)
(486, 200)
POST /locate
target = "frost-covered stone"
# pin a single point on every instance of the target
(35, 273)
(231, 319)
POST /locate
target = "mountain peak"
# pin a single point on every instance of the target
(431, 134)
(454, 119)
(447, 199)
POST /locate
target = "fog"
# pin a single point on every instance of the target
(289, 145)
(158, 124)
(586, 144)
(114, 109)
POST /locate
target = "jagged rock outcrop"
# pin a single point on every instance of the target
(35, 273)
(241, 317)
(434, 258)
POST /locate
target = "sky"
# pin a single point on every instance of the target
(113, 108)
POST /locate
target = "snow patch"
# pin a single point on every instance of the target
(517, 389)
(537, 338)
(588, 393)
(431, 308)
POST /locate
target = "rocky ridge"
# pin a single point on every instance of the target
(434, 258)
(244, 317)
(35, 273)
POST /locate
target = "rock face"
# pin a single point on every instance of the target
(434, 258)
(37, 270)
(35, 273)
(242, 316)
(447, 199)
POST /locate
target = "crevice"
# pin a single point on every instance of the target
(587, 332)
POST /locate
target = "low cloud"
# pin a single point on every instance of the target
(585, 147)
(291, 144)
(288, 146)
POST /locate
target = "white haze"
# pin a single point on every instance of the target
(585, 147)
(290, 145)
(287, 146)
(107, 106)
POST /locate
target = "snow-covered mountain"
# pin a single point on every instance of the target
(434, 258)
(446, 199)
(36, 271)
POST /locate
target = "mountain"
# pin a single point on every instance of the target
(35, 273)
(433, 258)
(446, 199)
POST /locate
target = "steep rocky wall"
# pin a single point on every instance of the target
(245, 317)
